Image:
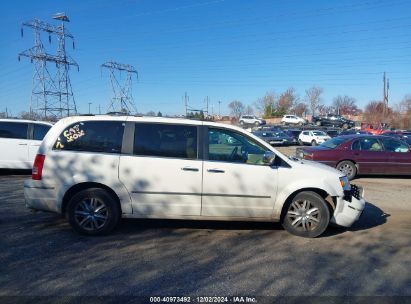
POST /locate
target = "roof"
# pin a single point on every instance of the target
(25, 120)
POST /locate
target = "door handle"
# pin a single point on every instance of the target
(215, 171)
(189, 169)
(22, 144)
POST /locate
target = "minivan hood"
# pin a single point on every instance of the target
(309, 164)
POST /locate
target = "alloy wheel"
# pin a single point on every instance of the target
(303, 215)
(91, 214)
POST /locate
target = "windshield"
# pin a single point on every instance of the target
(333, 142)
(319, 133)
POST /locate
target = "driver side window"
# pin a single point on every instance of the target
(233, 147)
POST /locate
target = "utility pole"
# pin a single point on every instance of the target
(89, 104)
(123, 98)
(219, 108)
(99, 109)
(385, 94)
(186, 102)
(52, 94)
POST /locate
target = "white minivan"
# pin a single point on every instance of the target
(19, 141)
(98, 169)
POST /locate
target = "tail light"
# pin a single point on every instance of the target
(38, 167)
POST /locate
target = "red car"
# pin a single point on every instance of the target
(362, 154)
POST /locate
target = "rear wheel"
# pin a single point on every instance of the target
(318, 123)
(306, 215)
(348, 168)
(93, 211)
(345, 126)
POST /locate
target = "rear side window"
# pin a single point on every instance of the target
(39, 131)
(13, 130)
(393, 145)
(92, 136)
(165, 140)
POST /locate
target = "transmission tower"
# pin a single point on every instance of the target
(52, 95)
(123, 98)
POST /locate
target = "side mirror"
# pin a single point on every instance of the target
(268, 158)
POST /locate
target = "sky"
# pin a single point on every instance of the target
(224, 49)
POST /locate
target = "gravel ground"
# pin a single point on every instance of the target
(41, 255)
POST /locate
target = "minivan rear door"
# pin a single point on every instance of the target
(163, 170)
(14, 143)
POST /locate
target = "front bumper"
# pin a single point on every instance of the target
(39, 196)
(349, 209)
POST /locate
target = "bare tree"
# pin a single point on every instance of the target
(300, 109)
(405, 104)
(374, 112)
(345, 105)
(249, 110)
(287, 100)
(266, 104)
(151, 113)
(236, 108)
(313, 98)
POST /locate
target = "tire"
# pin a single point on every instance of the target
(313, 143)
(318, 123)
(345, 126)
(256, 123)
(348, 168)
(306, 215)
(300, 142)
(93, 211)
(300, 123)
(241, 123)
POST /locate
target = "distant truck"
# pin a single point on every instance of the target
(332, 120)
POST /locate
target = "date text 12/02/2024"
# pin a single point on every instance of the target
(212, 299)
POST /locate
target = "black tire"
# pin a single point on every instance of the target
(348, 168)
(256, 123)
(241, 123)
(300, 142)
(309, 220)
(313, 143)
(93, 211)
(345, 126)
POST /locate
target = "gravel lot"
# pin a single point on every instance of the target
(41, 255)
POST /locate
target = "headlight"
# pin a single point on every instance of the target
(345, 184)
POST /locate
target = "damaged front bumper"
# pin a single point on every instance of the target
(349, 208)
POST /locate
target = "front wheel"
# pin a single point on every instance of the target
(318, 123)
(300, 142)
(348, 168)
(306, 215)
(313, 143)
(345, 126)
(93, 211)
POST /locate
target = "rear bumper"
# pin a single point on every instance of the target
(39, 196)
(346, 213)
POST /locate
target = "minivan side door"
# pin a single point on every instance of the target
(236, 183)
(14, 143)
(163, 172)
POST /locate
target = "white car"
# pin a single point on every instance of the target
(313, 137)
(293, 120)
(251, 120)
(19, 141)
(96, 170)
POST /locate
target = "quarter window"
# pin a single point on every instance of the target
(229, 146)
(39, 131)
(16, 130)
(92, 136)
(165, 140)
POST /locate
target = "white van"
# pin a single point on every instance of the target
(19, 141)
(96, 170)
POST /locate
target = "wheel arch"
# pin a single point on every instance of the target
(83, 186)
(324, 194)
